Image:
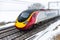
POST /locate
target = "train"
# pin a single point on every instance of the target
(30, 17)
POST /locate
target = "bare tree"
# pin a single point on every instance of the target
(36, 6)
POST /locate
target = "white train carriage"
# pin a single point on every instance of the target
(29, 17)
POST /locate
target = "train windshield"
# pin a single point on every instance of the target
(23, 16)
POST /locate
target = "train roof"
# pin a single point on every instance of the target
(32, 10)
(40, 9)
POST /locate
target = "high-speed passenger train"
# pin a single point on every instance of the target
(29, 17)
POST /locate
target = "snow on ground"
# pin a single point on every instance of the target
(48, 33)
(6, 26)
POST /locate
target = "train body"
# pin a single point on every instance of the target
(30, 17)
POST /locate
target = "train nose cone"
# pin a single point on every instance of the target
(20, 24)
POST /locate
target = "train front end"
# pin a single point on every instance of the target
(25, 20)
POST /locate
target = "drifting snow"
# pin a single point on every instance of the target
(48, 33)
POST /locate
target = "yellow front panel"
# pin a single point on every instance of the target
(20, 24)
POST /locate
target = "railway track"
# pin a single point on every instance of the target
(14, 34)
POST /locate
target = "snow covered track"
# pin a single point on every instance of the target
(14, 34)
